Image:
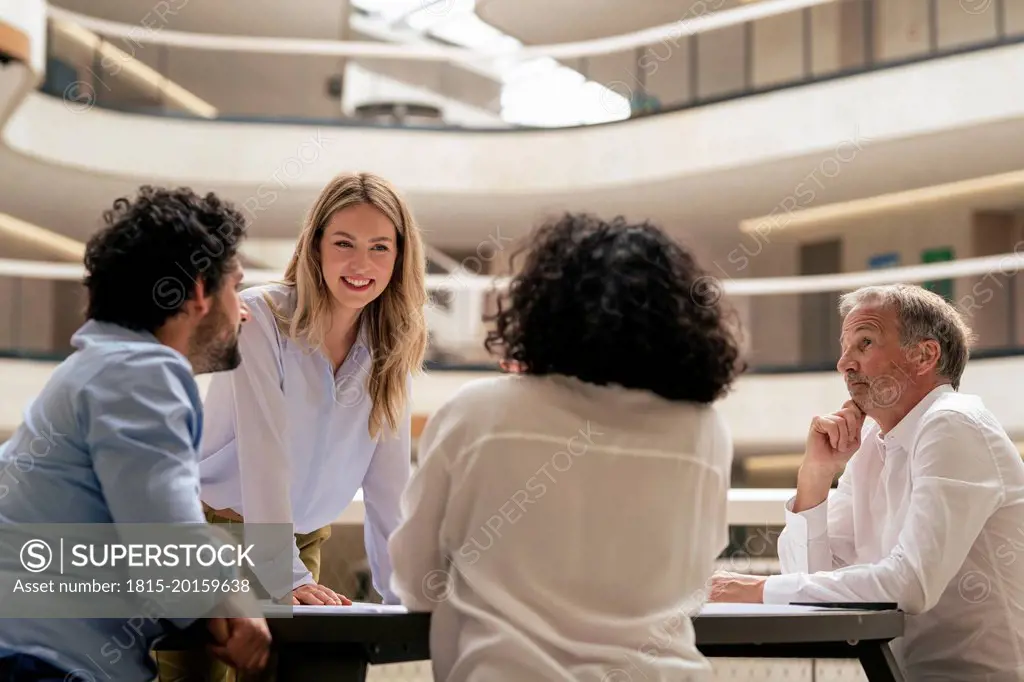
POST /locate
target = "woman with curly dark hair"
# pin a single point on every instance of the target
(564, 520)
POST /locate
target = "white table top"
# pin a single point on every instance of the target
(747, 507)
(707, 610)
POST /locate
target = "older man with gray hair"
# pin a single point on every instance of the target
(929, 508)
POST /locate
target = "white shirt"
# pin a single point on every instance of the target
(577, 524)
(287, 441)
(931, 517)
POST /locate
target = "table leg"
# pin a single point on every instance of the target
(322, 662)
(879, 663)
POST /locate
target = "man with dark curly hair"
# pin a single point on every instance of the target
(114, 433)
(564, 519)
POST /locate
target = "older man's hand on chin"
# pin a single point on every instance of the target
(736, 588)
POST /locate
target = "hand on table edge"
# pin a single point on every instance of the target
(318, 595)
(736, 588)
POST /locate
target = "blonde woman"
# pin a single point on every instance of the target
(320, 406)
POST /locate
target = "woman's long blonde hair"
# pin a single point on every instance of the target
(396, 319)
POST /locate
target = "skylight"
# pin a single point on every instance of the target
(539, 92)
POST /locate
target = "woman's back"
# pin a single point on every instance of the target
(581, 523)
(563, 522)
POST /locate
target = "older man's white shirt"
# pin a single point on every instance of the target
(930, 516)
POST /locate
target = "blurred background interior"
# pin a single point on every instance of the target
(801, 147)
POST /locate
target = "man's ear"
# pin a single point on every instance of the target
(201, 302)
(926, 357)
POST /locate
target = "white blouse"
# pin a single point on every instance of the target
(561, 530)
(286, 441)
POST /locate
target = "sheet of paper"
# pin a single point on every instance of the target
(719, 609)
(356, 607)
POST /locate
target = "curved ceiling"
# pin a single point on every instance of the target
(530, 21)
(541, 22)
(324, 19)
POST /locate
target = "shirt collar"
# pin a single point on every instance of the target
(362, 342)
(93, 332)
(902, 435)
(363, 337)
(95, 329)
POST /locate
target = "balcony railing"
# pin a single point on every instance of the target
(715, 52)
(788, 324)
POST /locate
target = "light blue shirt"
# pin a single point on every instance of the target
(287, 440)
(112, 438)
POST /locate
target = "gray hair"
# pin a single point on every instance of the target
(922, 315)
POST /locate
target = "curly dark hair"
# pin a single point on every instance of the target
(617, 303)
(145, 263)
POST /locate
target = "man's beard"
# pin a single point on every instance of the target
(214, 347)
(880, 392)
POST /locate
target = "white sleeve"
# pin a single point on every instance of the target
(261, 430)
(383, 484)
(820, 538)
(724, 457)
(956, 485)
(419, 575)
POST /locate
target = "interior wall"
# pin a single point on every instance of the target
(776, 320)
(770, 64)
(901, 28)
(992, 300)
(907, 233)
(721, 62)
(1013, 16)
(1018, 283)
(667, 70)
(69, 304)
(26, 314)
(815, 41)
(956, 27)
